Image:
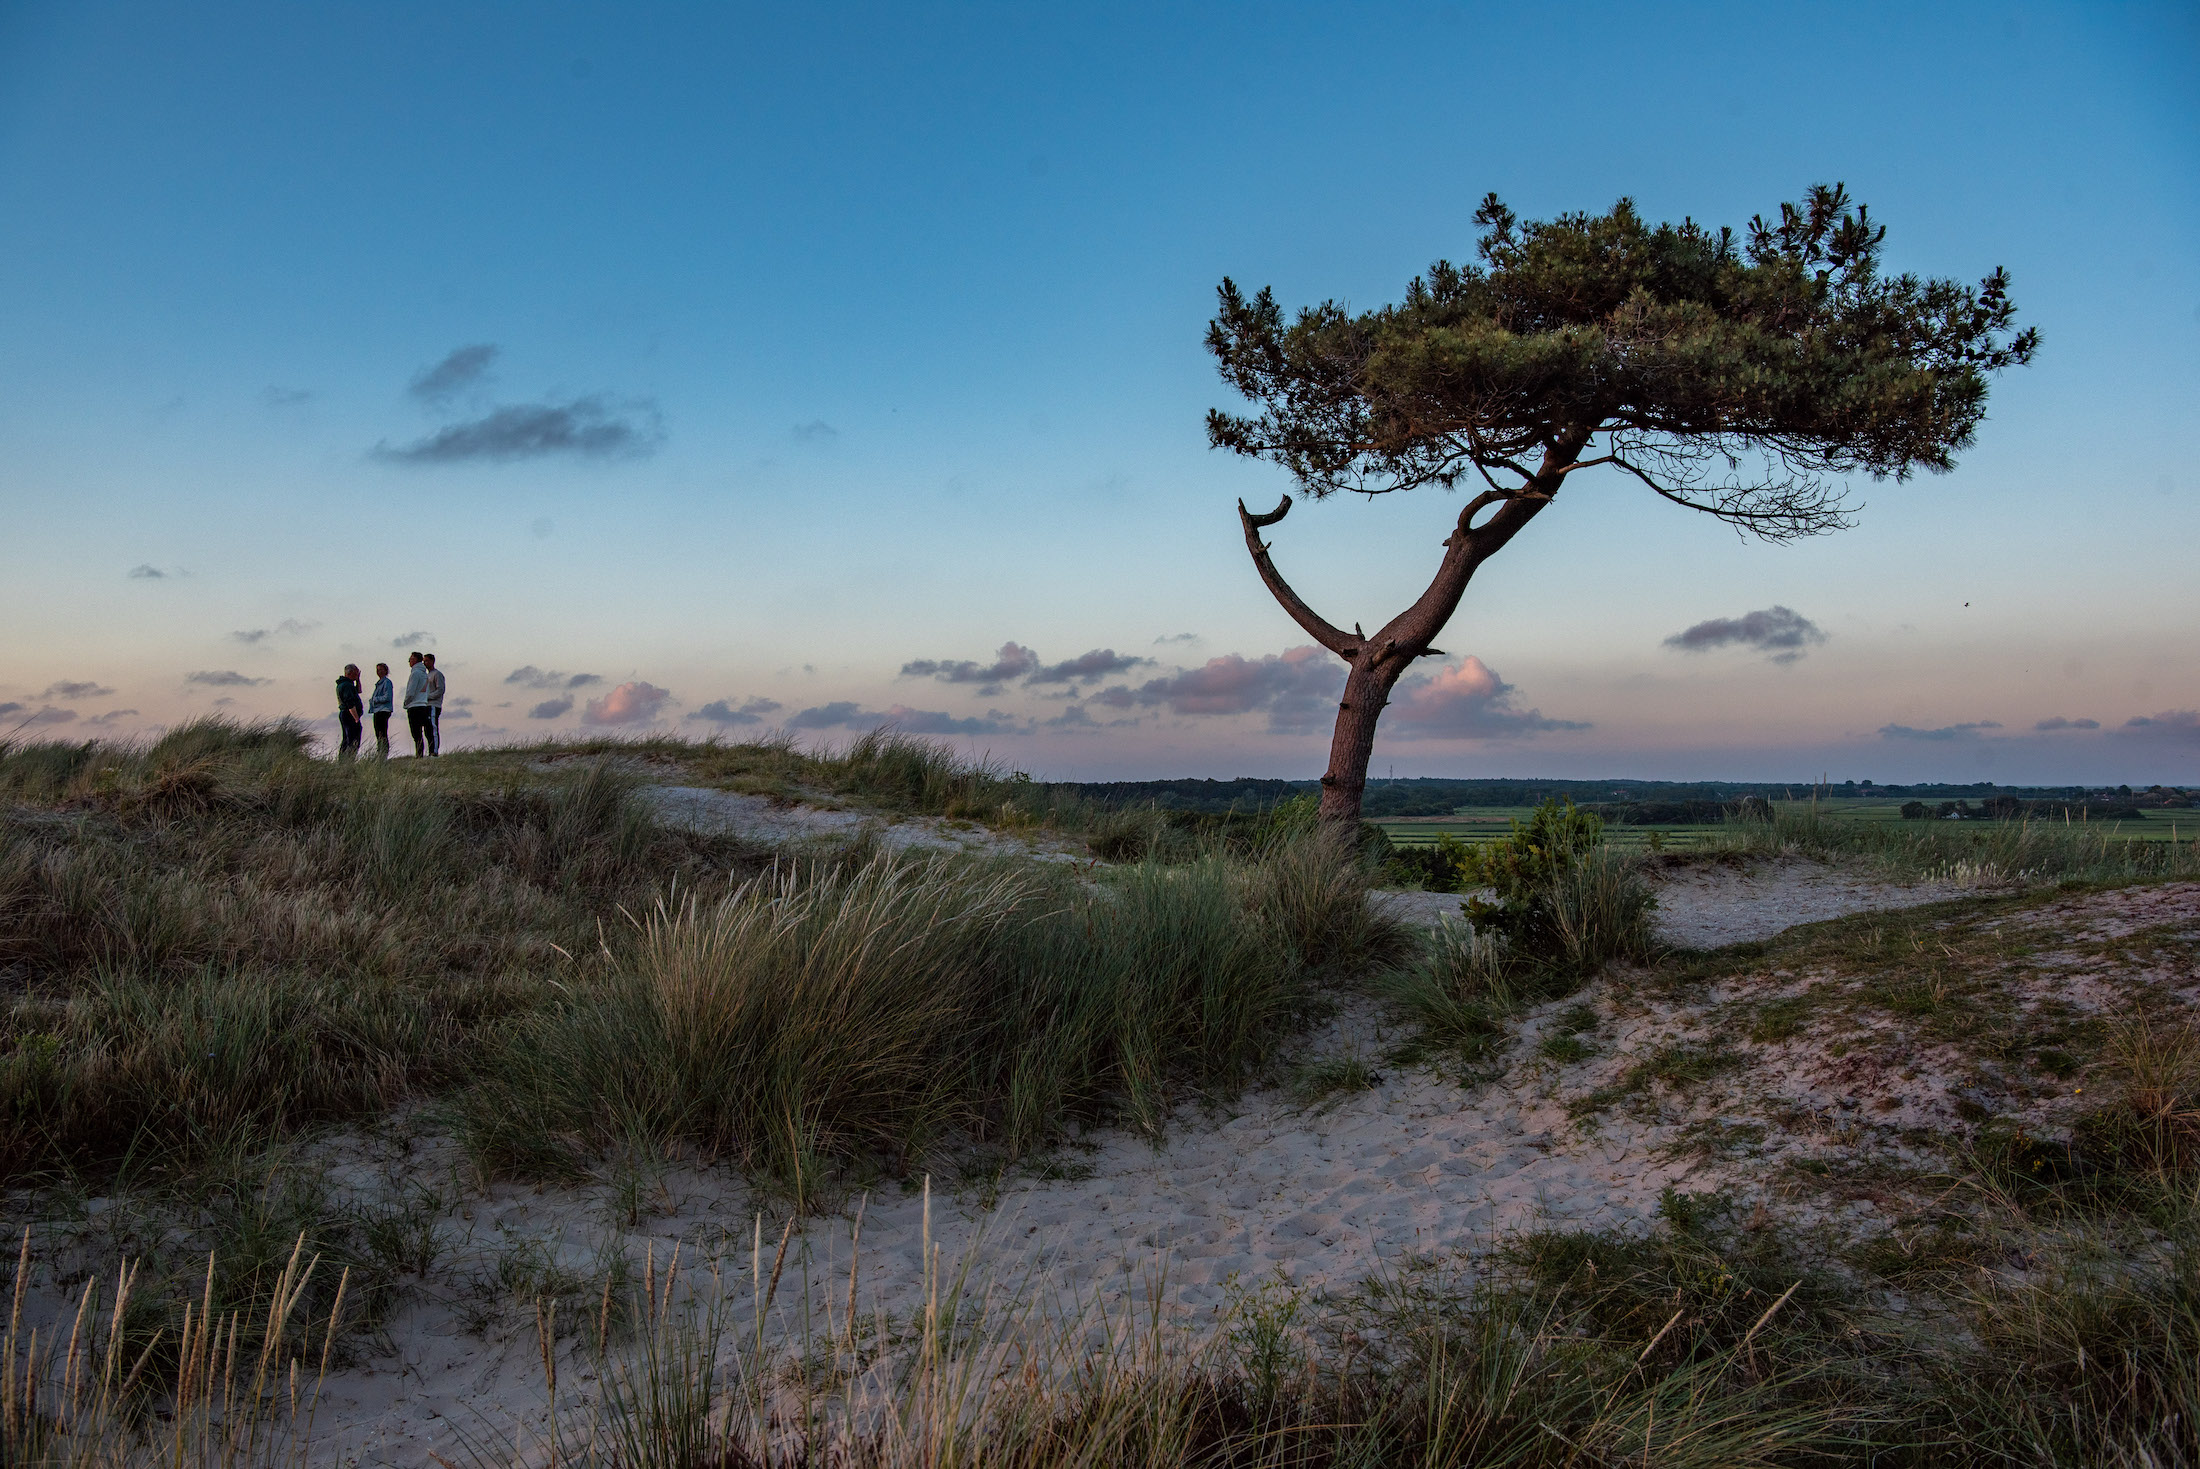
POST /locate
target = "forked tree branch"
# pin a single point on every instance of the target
(1335, 639)
(1487, 497)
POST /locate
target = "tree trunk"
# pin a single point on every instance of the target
(1378, 662)
(1366, 690)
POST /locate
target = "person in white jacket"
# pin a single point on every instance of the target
(435, 706)
(419, 716)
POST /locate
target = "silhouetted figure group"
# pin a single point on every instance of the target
(423, 708)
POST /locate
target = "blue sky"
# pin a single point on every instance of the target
(840, 341)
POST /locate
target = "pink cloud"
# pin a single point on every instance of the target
(629, 703)
(1467, 701)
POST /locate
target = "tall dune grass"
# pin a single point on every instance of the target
(216, 936)
(818, 1015)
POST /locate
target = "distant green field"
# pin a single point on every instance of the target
(1487, 823)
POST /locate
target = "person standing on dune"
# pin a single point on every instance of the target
(381, 705)
(347, 712)
(418, 716)
(435, 707)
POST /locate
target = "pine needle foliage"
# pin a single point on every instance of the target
(1729, 373)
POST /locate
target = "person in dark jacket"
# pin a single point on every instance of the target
(381, 706)
(348, 709)
(435, 705)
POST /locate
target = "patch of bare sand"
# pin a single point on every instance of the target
(780, 823)
(1708, 905)
(1320, 1197)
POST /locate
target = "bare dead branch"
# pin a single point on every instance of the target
(1317, 627)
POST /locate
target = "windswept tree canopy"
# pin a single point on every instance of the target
(1734, 380)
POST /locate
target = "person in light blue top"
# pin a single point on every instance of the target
(381, 706)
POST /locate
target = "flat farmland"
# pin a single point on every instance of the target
(2150, 826)
(1474, 824)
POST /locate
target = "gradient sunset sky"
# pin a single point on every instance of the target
(716, 370)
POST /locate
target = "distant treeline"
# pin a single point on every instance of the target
(2010, 808)
(1628, 802)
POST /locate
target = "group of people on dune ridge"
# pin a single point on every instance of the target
(423, 707)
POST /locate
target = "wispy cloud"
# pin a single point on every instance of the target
(1781, 632)
(289, 627)
(1967, 730)
(842, 714)
(629, 703)
(2058, 722)
(1465, 702)
(47, 715)
(1296, 688)
(147, 571)
(112, 716)
(585, 427)
(405, 641)
(1012, 661)
(1098, 663)
(2177, 724)
(464, 368)
(816, 431)
(1176, 637)
(552, 708)
(1077, 716)
(531, 677)
(224, 678)
(279, 398)
(725, 711)
(75, 689)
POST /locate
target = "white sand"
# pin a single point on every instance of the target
(1417, 1166)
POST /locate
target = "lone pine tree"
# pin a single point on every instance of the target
(1733, 379)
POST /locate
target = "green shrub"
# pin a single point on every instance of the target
(1556, 894)
(1521, 867)
(1433, 868)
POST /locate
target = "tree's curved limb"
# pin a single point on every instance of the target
(1335, 639)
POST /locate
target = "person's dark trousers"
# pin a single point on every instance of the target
(435, 729)
(350, 723)
(382, 733)
(417, 719)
